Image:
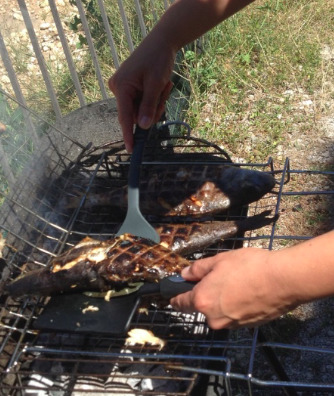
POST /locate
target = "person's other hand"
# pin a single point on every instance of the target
(142, 85)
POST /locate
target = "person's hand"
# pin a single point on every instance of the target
(142, 85)
(237, 288)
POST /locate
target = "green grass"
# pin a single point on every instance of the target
(248, 63)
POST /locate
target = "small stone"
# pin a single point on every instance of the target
(5, 80)
(307, 102)
(18, 17)
(44, 26)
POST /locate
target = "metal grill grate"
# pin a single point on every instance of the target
(37, 225)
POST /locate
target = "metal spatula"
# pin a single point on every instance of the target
(134, 222)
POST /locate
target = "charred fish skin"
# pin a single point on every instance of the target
(140, 259)
(45, 282)
(183, 190)
(188, 238)
(100, 265)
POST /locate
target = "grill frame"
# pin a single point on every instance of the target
(41, 230)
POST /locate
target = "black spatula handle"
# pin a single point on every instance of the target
(139, 138)
(174, 285)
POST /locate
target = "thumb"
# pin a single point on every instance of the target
(199, 269)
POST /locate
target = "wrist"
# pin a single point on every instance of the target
(286, 271)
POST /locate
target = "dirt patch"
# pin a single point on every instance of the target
(19, 46)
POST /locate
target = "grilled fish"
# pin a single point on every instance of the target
(101, 265)
(185, 239)
(184, 190)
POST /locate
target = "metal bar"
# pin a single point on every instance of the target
(312, 172)
(16, 353)
(110, 38)
(92, 49)
(140, 19)
(274, 361)
(28, 243)
(6, 167)
(16, 87)
(67, 53)
(77, 211)
(42, 119)
(154, 13)
(40, 349)
(40, 58)
(291, 193)
(303, 348)
(126, 25)
(285, 171)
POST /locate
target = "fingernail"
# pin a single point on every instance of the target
(145, 122)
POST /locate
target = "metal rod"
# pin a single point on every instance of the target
(40, 58)
(67, 53)
(154, 13)
(140, 19)
(17, 89)
(110, 38)
(92, 49)
(6, 167)
(38, 117)
(125, 25)
(276, 364)
(279, 197)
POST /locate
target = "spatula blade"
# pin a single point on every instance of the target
(134, 222)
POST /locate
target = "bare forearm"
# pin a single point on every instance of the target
(307, 269)
(249, 286)
(187, 20)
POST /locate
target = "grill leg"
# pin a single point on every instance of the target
(276, 364)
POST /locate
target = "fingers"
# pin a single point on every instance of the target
(151, 106)
(184, 302)
(189, 303)
(153, 103)
(199, 269)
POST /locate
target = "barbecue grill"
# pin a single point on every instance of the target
(38, 177)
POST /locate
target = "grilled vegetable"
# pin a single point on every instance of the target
(101, 265)
(184, 190)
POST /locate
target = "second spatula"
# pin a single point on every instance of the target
(134, 222)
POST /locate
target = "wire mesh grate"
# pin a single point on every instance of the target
(38, 224)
